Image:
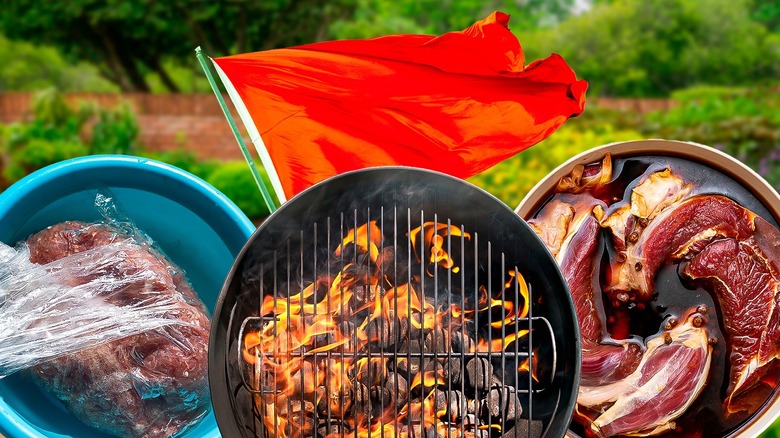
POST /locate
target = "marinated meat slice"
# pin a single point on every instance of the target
(603, 359)
(676, 232)
(672, 374)
(745, 280)
(649, 198)
(152, 384)
(552, 226)
(582, 178)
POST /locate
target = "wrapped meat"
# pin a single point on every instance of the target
(150, 384)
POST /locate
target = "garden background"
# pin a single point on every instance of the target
(109, 76)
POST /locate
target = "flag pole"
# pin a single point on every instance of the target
(269, 201)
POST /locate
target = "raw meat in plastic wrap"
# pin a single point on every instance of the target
(152, 383)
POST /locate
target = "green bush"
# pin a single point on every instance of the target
(513, 178)
(37, 153)
(743, 122)
(115, 131)
(185, 160)
(235, 180)
(58, 131)
(638, 48)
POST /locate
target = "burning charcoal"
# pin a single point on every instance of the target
(283, 343)
(471, 425)
(462, 342)
(300, 424)
(392, 270)
(449, 369)
(398, 388)
(381, 398)
(521, 429)
(452, 403)
(360, 293)
(338, 401)
(370, 372)
(437, 341)
(385, 331)
(417, 430)
(291, 407)
(410, 366)
(363, 399)
(503, 403)
(332, 429)
(453, 369)
(479, 371)
(347, 329)
(305, 379)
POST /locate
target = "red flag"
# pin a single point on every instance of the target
(458, 103)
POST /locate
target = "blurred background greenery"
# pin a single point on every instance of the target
(716, 64)
(718, 61)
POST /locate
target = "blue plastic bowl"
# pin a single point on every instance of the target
(200, 229)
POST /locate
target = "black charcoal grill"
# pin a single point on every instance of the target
(394, 302)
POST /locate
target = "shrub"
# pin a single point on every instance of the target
(115, 131)
(235, 180)
(55, 134)
(513, 178)
(743, 122)
(185, 160)
(37, 153)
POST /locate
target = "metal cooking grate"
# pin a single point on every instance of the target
(466, 273)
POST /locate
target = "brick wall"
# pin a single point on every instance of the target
(166, 121)
(195, 121)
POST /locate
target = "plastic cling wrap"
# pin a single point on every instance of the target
(76, 302)
(108, 325)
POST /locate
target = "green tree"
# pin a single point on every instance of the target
(768, 12)
(128, 40)
(650, 48)
(374, 18)
(27, 67)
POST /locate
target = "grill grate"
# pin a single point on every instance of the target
(468, 286)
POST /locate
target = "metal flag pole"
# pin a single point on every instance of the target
(269, 201)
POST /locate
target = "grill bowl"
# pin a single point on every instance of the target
(764, 193)
(404, 188)
(199, 228)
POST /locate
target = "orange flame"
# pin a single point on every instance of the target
(428, 379)
(360, 237)
(523, 289)
(525, 367)
(434, 239)
(499, 344)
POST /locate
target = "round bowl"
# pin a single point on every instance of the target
(198, 227)
(705, 155)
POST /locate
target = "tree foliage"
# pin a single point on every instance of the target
(374, 18)
(127, 40)
(27, 67)
(647, 48)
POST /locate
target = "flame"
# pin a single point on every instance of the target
(360, 237)
(499, 344)
(511, 317)
(428, 379)
(525, 367)
(433, 243)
